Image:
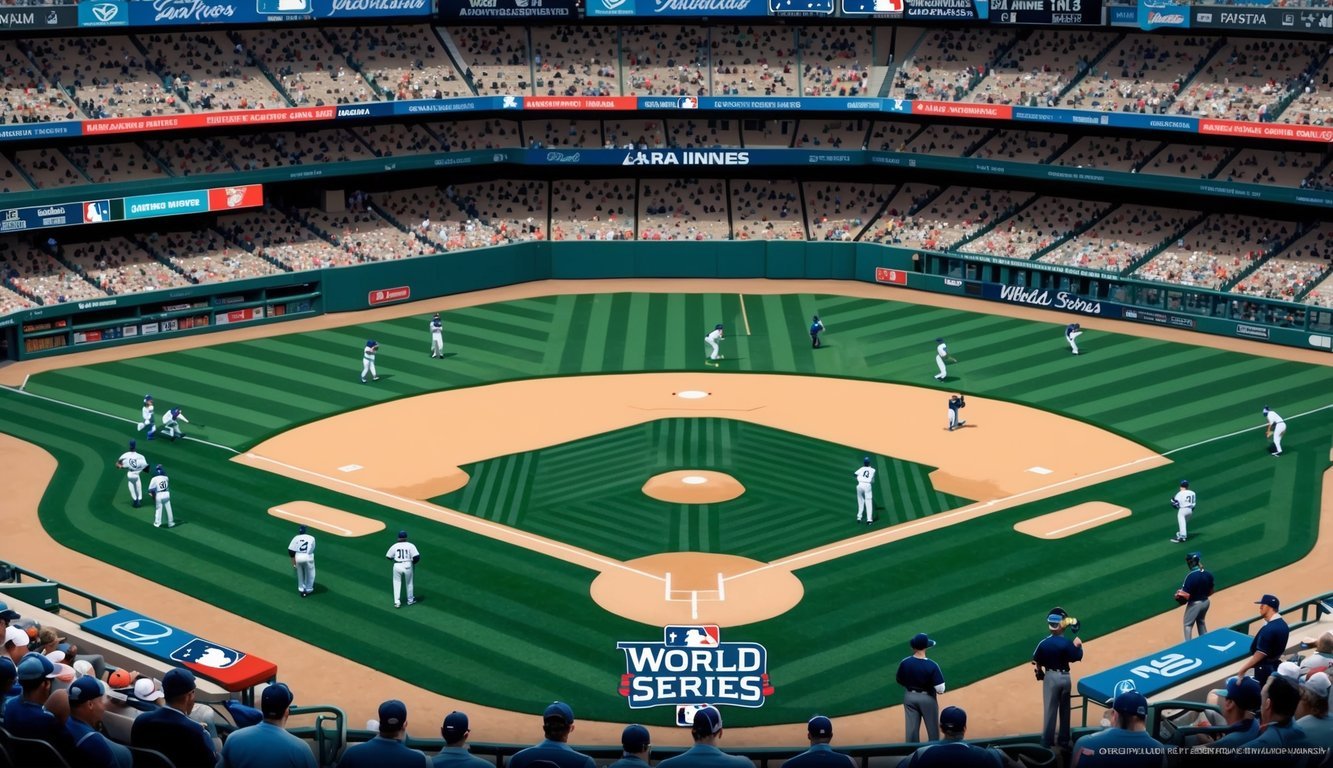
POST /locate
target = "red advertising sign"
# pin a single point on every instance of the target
(1267, 130)
(388, 295)
(207, 120)
(580, 102)
(891, 276)
(963, 109)
(227, 198)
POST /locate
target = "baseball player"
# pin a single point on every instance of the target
(302, 552)
(405, 557)
(1183, 501)
(436, 337)
(865, 503)
(1072, 332)
(942, 354)
(133, 463)
(146, 418)
(816, 328)
(1276, 429)
(368, 361)
(171, 421)
(161, 493)
(956, 403)
(1197, 588)
(1052, 659)
(712, 339)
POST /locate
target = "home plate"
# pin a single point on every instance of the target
(1040, 470)
(350, 468)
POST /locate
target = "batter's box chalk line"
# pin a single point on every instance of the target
(673, 595)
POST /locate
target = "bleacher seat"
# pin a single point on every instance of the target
(150, 758)
(31, 753)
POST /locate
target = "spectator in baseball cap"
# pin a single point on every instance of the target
(169, 729)
(557, 724)
(637, 746)
(707, 731)
(952, 751)
(8, 680)
(1240, 702)
(819, 730)
(16, 644)
(1127, 735)
(455, 730)
(387, 749)
(1269, 642)
(87, 705)
(26, 715)
(1279, 731)
(1312, 714)
(268, 743)
(7, 615)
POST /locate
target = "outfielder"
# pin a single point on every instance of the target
(171, 421)
(159, 489)
(368, 361)
(1183, 501)
(436, 337)
(405, 556)
(956, 403)
(133, 463)
(302, 551)
(146, 419)
(865, 502)
(816, 328)
(1276, 429)
(1072, 332)
(712, 339)
(942, 354)
(1194, 593)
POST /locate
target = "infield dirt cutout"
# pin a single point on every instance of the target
(889, 419)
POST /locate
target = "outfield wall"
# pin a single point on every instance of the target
(126, 319)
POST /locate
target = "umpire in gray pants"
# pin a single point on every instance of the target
(923, 681)
(1052, 659)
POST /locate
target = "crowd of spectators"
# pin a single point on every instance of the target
(1248, 79)
(831, 134)
(753, 61)
(206, 256)
(26, 96)
(766, 210)
(665, 60)
(11, 178)
(1142, 74)
(1186, 161)
(683, 209)
(497, 60)
(1105, 153)
(942, 221)
(118, 265)
(400, 62)
(106, 163)
(48, 167)
(210, 72)
(1120, 238)
(1037, 71)
(592, 209)
(1216, 251)
(949, 140)
(1021, 146)
(1266, 166)
(949, 63)
(1038, 226)
(105, 75)
(575, 60)
(542, 134)
(1295, 269)
(840, 210)
(477, 134)
(305, 64)
(713, 132)
(837, 60)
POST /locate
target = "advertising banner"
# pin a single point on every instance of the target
(38, 18)
(963, 109)
(947, 10)
(691, 157)
(206, 120)
(1154, 14)
(507, 9)
(1313, 20)
(104, 13)
(234, 670)
(677, 8)
(41, 216)
(892, 9)
(1321, 134)
(800, 7)
(1048, 299)
(166, 13)
(168, 204)
(1151, 675)
(1072, 12)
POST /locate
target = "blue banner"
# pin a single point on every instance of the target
(104, 13)
(233, 669)
(677, 8)
(1122, 15)
(21, 131)
(687, 157)
(1048, 299)
(1183, 123)
(169, 204)
(947, 10)
(507, 9)
(165, 13)
(800, 7)
(40, 216)
(1170, 667)
(1159, 13)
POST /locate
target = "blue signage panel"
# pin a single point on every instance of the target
(694, 8)
(689, 157)
(1170, 667)
(507, 9)
(163, 13)
(947, 10)
(800, 7)
(1159, 13)
(21, 131)
(104, 13)
(40, 216)
(169, 204)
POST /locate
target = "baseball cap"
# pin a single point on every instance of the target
(1054, 619)
(402, 534)
(559, 710)
(7, 669)
(393, 713)
(56, 657)
(177, 682)
(1130, 703)
(708, 719)
(1184, 483)
(82, 668)
(35, 666)
(1290, 670)
(86, 688)
(1244, 691)
(146, 690)
(16, 636)
(301, 529)
(1268, 600)
(275, 701)
(953, 719)
(922, 641)
(8, 615)
(455, 725)
(819, 726)
(1319, 684)
(635, 738)
(121, 678)
(370, 342)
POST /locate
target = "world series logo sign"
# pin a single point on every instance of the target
(693, 666)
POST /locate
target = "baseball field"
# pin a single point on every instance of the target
(575, 474)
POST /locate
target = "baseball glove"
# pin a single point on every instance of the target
(1175, 504)
(1182, 596)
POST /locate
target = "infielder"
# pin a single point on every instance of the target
(405, 556)
(171, 421)
(368, 361)
(1276, 429)
(146, 419)
(302, 551)
(133, 463)
(436, 337)
(1072, 332)
(159, 489)
(712, 339)
(1183, 501)
(942, 354)
(956, 403)
(865, 502)
(816, 328)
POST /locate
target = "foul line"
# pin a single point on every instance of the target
(1049, 534)
(21, 391)
(744, 317)
(496, 530)
(1243, 431)
(318, 521)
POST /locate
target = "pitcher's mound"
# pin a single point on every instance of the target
(693, 486)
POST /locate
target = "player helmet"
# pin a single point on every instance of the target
(939, 341)
(866, 461)
(301, 529)
(1265, 409)
(717, 327)
(134, 444)
(1193, 558)
(370, 342)
(149, 399)
(1184, 483)
(158, 470)
(402, 534)
(175, 411)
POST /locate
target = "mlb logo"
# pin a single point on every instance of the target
(97, 211)
(206, 654)
(1124, 686)
(691, 636)
(888, 6)
(685, 714)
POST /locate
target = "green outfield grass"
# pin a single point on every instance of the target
(503, 626)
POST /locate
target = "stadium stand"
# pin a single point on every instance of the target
(117, 265)
(41, 276)
(1141, 74)
(1187, 160)
(26, 96)
(495, 59)
(272, 235)
(1294, 270)
(1110, 154)
(11, 178)
(664, 60)
(766, 210)
(105, 163)
(562, 133)
(1216, 250)
(941, 221)
(836, 61)
(683, 209)
(952, 140)
(773, 133)
(949, 63)
(1040, 68)
(1021, 146)
(837, 134)
(891, 136)
(575, 61)
(400, 62)
(1120, 238)
(206, 256)
(48, 167)
(753, 61)
(210, 72)
(1039, 225)
(1265, 166)
(187, 156)
(840, 210)
(394, 139)
(592, 209)
(717, 132)
(106, 75)
(628, 134)
(1248, 79)
(477, 134)
(304, 64)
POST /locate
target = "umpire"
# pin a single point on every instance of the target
(1052, 659)
(923, 681)
(1194, 593)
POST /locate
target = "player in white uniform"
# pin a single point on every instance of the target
(302, 550)
(133, 463)
(368, 361)
(160, 490)
(1183, 501)
(405, 557)
(1276, 429)
(146, 419)
(865, 501)
(1072, 332)
(171, 423)
(942, 354)
(436, 337)
(712, 339)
